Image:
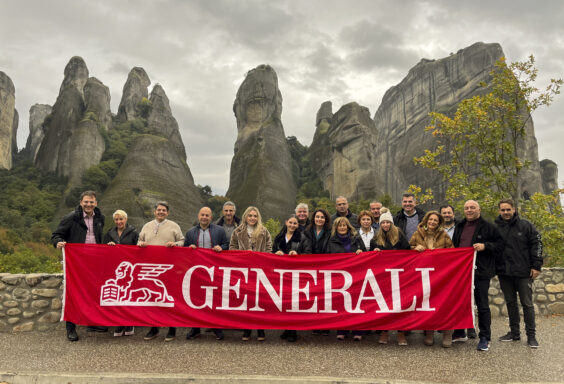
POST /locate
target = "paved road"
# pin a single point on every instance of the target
(314, 357)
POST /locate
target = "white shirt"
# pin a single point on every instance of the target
(366, 237)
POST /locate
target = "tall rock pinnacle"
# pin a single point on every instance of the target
(261, 169)
(7, 114)
(134, 90)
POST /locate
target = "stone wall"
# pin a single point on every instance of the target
(33, 302)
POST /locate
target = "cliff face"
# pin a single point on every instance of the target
(134, 90)
(7, 119)
(155, 167)
(385, 149)
(37, 115)
(73, 140)
(261, 169)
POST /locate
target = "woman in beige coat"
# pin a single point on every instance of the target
(251, 235)
(430, 234)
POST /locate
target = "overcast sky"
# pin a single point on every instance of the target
(199, 51)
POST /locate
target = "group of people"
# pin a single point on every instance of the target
(510, 248)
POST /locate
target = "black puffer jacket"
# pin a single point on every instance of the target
(487, 234)
(129, 236)
(72, 227)
(280, 244)
(523, 247)
(401, 244)
(311, 245)
(335, 245)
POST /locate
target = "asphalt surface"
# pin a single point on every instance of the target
(312, 358)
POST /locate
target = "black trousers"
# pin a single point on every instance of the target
(481, 287)
(510, 286)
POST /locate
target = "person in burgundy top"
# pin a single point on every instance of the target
(474, 231)
(85, 225)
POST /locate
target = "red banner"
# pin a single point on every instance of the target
(185, 287)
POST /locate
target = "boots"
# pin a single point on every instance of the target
(429, 338)
(383, 337)
(401, 338)
(447, 338)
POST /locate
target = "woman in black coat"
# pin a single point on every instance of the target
(345, 239)
(123, 234)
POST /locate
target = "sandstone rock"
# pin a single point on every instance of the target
(153, 171)
(39, 303)
(549, 175)
(20, 293)
(28, 314)
(25, 327)
(37, 115)
(45, 292)
(97, 100)
(76, 74)
(551, 297)
(162, 123)
(72, 141)
(52, 282)
(12, 279)
(2, 286)
(10, 303)
(33, 279)
(134, 90)
(13, 320)
(493, 291)
(13, 312)
(556, 308)
(261, 168)
(15, 134)
(555, 288)
(498, 300)
(494, 311)
(541, 298)
(558, 277)
(56, 304)
(7, 111)
(50, 317)
(435, 85)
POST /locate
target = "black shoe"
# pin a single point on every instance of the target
(459, 336)
(218, 334)
(171, 334)
(510, 336)
(532, 342)
(285, 334)
(246, 335)
(194, 332)
(471, 333)
(153, 332)
(483, 345)
(292, 336)
(94, 328)
(119, 331)
(72, 335)
(260, 335)
(129, 331)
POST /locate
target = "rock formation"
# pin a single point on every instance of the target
(37, 115)
(15, 124)
(398, 135)
(153, 171)
(261, 168)
(73, 140)
(7, 112)
(155, 167)
(162, 122)
(549, 172)
(134, 90)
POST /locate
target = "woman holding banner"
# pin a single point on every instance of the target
(287, 242)
(251, 235)
(344, 239)
(123, 234)
(430, 234)
(388, 238)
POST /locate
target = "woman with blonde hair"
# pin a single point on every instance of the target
(388, 238)
(430, 234)
(251, 235)
(124, 234)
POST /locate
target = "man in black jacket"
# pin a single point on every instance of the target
(410, 216)
(342, 207)
(85, 225)
(229, 221)
(474, 231)
(518, 266)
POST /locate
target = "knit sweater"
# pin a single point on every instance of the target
(167, 231)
